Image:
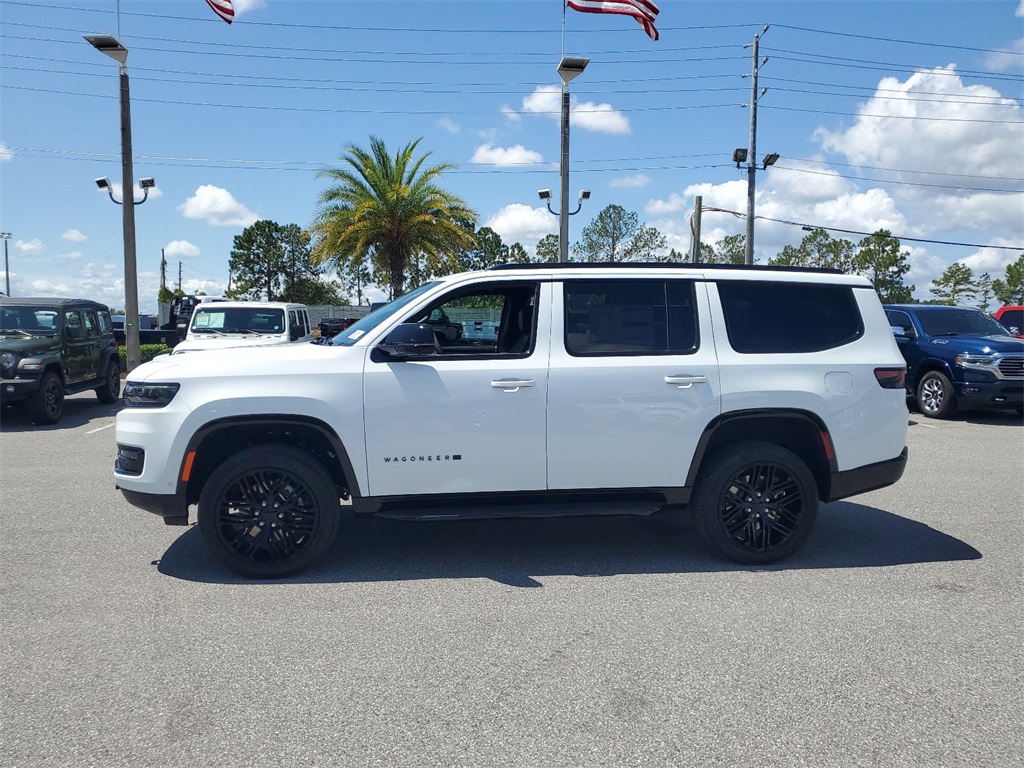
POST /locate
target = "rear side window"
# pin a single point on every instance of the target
(630, 317)
(771, 318)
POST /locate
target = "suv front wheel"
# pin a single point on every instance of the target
(756, 503)
(46, 405)
(269, 511)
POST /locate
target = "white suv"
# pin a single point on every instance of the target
(224, 324)
(748, 394)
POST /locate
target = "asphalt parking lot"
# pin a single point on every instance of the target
(892, 639)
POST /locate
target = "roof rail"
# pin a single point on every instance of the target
(598, 265)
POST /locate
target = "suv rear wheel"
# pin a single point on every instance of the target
(269, 511)
(756, 503)
(110, 390)
(935, 396)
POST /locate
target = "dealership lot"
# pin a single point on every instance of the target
(893, 638)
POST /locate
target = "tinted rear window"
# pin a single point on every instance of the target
(771, 318)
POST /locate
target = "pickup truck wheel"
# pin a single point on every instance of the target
(269, 511)
(756, 502)
(111, 388)
(46, 405)
(935, 396)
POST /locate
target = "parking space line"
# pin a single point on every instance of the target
(100, 429)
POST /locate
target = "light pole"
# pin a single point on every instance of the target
(110, 46)
(7, 267)
(568, 68)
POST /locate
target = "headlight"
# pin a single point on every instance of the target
(8, 359)
(976, 361)
(149, 395)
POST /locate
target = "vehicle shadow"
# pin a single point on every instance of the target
(520, 552)
(79, 410)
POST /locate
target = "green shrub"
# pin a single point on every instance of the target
(146, 351)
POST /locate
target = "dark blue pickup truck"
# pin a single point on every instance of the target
(957, 358)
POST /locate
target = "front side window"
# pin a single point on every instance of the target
(491, 319)
(73, 322)
(630, 317)
(901, 320)
(766, 317)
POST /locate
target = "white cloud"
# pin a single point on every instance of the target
(630, 182)
(74, 235)
(181, 249)
(488, 154)
(447, 124)
(5, 153)
(30, 246)
(217, 207)
(511, 114)
(1020, 9)
(71, 255)
(518, 223)
(1008, 58)
(932, 123)
(992, 260)
(244, 6)
(602, 118)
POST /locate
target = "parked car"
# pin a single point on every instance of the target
(610, 389)
(1012, 318)
(957, 358)
(329, 327)
(50, 348)
(226, 324)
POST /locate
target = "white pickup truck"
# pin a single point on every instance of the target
(227, 324)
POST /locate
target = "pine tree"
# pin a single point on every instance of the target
(956, 285)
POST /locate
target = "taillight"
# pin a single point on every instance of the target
(891, 378)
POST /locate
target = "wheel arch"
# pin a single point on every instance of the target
(925, 367)
(801, 432)
(217, 440)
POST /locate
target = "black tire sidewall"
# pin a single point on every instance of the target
(281, 458)
(949, 406)
(720, 471)
(37, 404)
(111, 389)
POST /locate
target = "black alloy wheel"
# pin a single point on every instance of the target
(110, 390)
(46, 405)
(269, 511)
(935, 396)
(757, 502)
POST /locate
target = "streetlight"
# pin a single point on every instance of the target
(146, 182)
(569, 68)
(7, 268)
(111, 46)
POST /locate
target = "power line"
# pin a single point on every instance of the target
(900, 183)
(899, 41)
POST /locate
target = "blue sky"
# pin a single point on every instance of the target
(905, 115)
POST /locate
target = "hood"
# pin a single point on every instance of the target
(980, 345)
(250, 360)
(231, 341)
(27, 346)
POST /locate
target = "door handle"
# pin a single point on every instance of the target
(511, 385)
(684, 381)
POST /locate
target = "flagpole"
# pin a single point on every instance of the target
(117, 11)
(563, 28)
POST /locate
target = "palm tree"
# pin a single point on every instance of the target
(386, 209)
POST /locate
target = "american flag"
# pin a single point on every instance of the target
(643, 11)
(223, 9)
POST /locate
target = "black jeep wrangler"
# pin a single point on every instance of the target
(53, 347)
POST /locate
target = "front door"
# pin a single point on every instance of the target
(471, 417)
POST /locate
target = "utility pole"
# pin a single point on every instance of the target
(698, 203)
(163, 271)
(752, 147)
(179, 277)
(7, 267)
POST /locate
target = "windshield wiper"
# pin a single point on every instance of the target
(15, 330)
(948, 333)
(209, 330)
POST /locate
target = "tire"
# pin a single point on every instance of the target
(46, 405)
(935, 396)
(111, 388)
(269, 511)
(756, 502)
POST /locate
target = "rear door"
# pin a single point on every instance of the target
(633, 381)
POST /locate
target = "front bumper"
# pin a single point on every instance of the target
(16, 390)
(1007, 393)
(173, 509)
(868, 478)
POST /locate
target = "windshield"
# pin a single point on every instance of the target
(28, 321)
(357, 330)
(246, 320)
(959, 322)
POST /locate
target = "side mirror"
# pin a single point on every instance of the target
(898, 331)
(296, 333)
(74, 331)
(406, 341)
